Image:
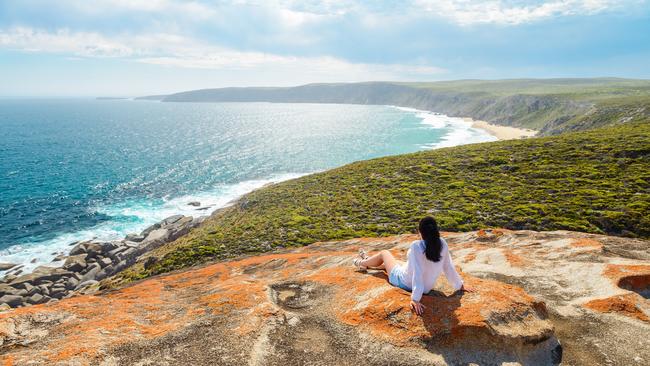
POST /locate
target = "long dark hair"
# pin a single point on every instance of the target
(431, 235)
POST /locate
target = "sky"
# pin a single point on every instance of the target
(143, 47)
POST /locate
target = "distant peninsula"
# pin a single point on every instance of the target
(152, 97)
(550, 106)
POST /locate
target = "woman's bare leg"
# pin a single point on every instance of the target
(381, 260)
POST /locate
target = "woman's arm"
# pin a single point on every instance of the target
(450, 272)
(418, 285)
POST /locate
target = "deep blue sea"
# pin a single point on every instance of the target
(73, 169)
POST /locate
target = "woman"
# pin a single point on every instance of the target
(426, 259)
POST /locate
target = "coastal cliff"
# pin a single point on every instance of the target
(551, 106)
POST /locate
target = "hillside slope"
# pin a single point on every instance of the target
(552, 106)
(594, 181)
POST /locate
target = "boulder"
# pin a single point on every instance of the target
(171, 220)
(21, 293)
(16, 270)
(128, 255)
(134, 237)
(180, 228)
(8, 278)
(198, 220)
(157, 236)
(59, 258)
(75, 263)
(35, 299)
(113, 253)
(79, 248)
(85, 284)
(58, 293)
(105, 262)
(7, 290)
(71, 283)
(105, 272)
(29, 288)
(93, 249)
(151, 228)
(44, 290)
(91, 272)
(11, 300)
(7, 266)
(41, 274)
(120, 266)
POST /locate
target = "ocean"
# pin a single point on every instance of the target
(77, 169)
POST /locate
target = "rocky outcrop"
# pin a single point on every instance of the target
(304, 306)
(88, 263)
(309, 306)
(595, 287)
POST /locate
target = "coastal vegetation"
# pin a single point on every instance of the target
(595, 181)
(551, 106)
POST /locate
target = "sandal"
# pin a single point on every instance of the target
(363, 254)
(357, 263)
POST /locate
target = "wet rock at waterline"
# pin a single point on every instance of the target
(87, 263)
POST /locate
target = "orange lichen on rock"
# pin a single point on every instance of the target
(586, 243)
(490, 234)
(626, 305)
(515, 260)
(631, 277)
(469, 258)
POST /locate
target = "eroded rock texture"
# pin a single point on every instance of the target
(310, 307)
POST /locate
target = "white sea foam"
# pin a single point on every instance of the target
(457, 130)
(132, 217)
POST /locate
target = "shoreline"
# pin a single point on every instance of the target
(197, 205)
(501, 132)
(33, 260)
(498, 131)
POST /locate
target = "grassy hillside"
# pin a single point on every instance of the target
(594, 181)
(552, 106)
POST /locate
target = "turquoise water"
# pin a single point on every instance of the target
(78, 169)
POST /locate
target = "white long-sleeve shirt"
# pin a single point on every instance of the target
(421, 274)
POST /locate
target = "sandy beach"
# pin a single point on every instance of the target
(502, 132)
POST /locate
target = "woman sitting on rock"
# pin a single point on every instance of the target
(426, 259)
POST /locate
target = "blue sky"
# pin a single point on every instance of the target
(128, 48)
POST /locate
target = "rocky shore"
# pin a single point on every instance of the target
(87, 263)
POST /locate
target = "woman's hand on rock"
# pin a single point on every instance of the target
(417, 307)
(464, 288)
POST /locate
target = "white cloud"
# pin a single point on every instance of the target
(467, 12)
(178, 51)
(63, 41)
(312, 68)
(185, 8)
